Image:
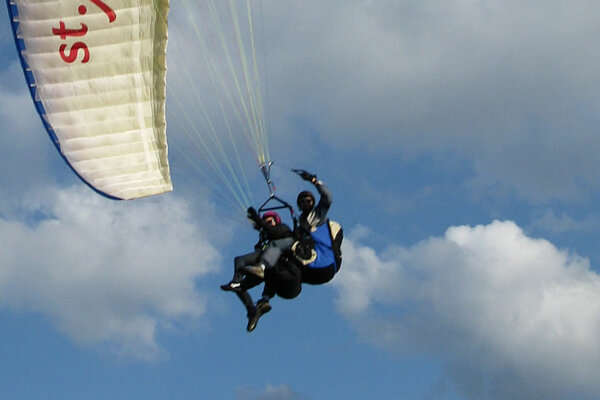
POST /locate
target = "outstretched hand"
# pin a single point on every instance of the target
(252, 215)
(307, 176)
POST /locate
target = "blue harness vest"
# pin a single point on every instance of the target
(323, 247)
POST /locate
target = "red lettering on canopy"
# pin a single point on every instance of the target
(63, 32)
(73, 52)
(69, 55)
(107, 10)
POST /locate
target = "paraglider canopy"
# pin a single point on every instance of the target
(96, 72)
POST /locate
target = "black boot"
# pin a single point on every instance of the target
(232, 287)
(252, 319)
(262, 307)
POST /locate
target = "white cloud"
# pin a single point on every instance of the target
(506, 313)
(511, 87)
(104, 272)
(270, 392)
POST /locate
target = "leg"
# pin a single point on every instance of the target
(248, 283)
(239, 263)
(254, 312)
(270, 256)
(273, 251)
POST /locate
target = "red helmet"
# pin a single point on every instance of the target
(273, 215)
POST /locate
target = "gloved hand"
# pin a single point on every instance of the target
(252, 215)
(307, 176)
(304, 249)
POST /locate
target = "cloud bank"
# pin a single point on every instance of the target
(103, 272)
(509, 316)
(510, 87)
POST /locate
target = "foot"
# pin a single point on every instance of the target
(232, 287)
(262, 307)
(252, 320)
(258, 270)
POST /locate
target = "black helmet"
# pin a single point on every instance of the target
(304, 194)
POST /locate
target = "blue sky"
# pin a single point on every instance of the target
(460, 142)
